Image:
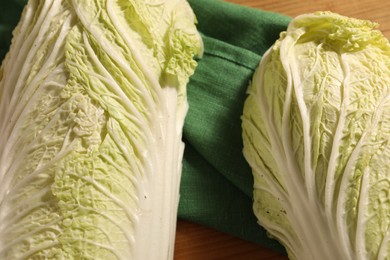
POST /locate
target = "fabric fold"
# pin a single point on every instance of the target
(217, 184)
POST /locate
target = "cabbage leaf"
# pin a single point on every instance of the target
(316, 131)
(93, 100)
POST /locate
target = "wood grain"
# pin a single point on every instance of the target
(376, 10)
(194, 242)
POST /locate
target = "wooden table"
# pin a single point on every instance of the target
(194, 242)
(374, 10)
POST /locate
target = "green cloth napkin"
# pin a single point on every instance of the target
(10, 11)
(216, 187)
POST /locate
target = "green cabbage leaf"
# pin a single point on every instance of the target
(92, 105)
(316, 132)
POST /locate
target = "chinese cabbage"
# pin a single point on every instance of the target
(316, 131)
(93, 100)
